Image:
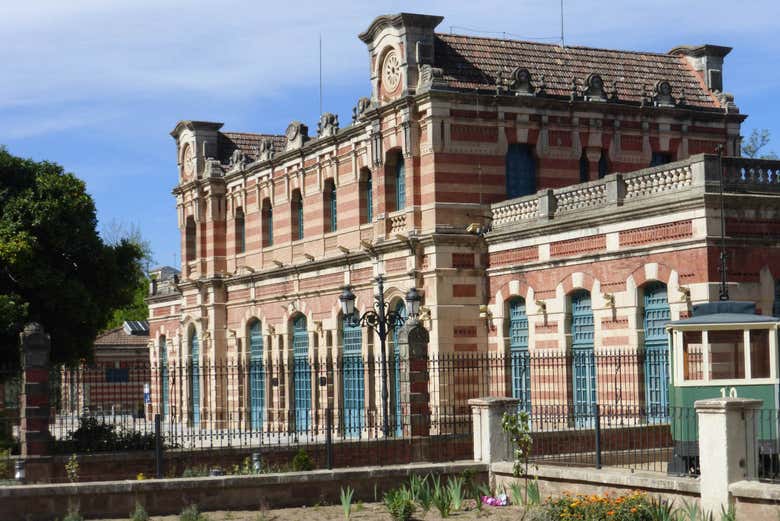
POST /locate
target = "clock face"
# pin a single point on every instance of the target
(292, 131)
(391, 71)
(187, 161)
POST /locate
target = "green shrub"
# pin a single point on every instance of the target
(400, 504)
(139, 514)
(191, 513)
(346, 501)
(198, 471)
(73, 515)
(441, 498)
(302, 461)
(455, 491)
(421, 492)
(96, 436)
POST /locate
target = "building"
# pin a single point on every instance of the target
(113, 384)
(544, 199)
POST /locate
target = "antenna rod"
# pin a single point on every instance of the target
(320, 74)
(563, 44)
(724, 290)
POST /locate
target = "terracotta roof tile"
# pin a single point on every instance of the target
(118, 337)
(471, 62)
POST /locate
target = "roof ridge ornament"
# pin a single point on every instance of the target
(358, 111)
(594, 88)
(663, 94)
(519, 81)
(328, 125)
(265, 150)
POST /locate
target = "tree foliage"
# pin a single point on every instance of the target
(54, 267)
(757, 141)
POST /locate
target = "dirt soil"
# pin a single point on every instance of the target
(360, 512)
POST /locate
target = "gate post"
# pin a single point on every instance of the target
(35, 353)
(413, 341)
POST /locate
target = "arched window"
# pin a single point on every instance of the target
(164, 407)
(194, 377)
(352, 371)
(603, 164)
(518, 349)
(256, 376)
(268, 223)
(191, 240)
(400, 309)
(584, 167)
(301, 374)
(330, 218)
(400, 183)
(656, 315)
(520, 171)
(240, 231)
(296, 210)
(583, 359)
(366, 198)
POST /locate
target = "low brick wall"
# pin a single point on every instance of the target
(755, 500)
(127, 465)
(612, 439)
(555, 480)
(169, 496)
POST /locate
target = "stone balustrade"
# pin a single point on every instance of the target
(700, 171)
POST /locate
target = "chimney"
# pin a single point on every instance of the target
(707, 61)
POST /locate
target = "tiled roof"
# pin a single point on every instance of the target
(471, 62)
(247, 143)
(118, 337)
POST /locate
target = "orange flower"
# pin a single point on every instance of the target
(611, 513)
(633, 510)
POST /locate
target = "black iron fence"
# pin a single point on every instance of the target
(768, 443)
(603, 408)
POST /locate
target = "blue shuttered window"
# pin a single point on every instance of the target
(369, 195)
(332, 207)
(518, 348)
(301, 374)
(164, 407)
(400, 309)
(268, 225)
(256, 376)
(352, 370)
(400, 184)
(194, 378)
(657, 314)
(240, 229)
(583, 359)
(520, 171)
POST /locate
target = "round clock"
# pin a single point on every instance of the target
(391, 71)
(187, 161)
(292, 131)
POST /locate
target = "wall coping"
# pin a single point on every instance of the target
(492, 401)
(608, 476)
(726, 404)
(226, 482)
(756, 490)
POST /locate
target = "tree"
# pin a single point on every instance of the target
(54, 267)
(758, 139)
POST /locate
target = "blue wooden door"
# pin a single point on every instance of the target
(352, 371)
(400, 309)
(256, 376)
(583, 359)
(518, 349)
(301, 374)
(520, 171)
(195, 378)
(656, 352)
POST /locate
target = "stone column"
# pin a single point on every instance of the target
(728, 449)
(35, 352)
(413, 347)
(491, 443)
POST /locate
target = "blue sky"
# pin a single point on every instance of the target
(97, 85)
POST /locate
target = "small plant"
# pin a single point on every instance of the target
(73, 515)
(516, 493)
(421, 492)
(191, 513)
(455, 491)
(532, 495)
(195, 472)
(72, 468)
(400, 504)
(480, 491)
(140, 476)
(302, 462)
(729, 514)
(139, 514)
(441, 498)
(359, 506)
(662, 510)
(346, 501)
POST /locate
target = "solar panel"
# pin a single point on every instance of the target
(136, 327)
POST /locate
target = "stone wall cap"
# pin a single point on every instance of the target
(756, 490)
(487, 401)
(722, 404)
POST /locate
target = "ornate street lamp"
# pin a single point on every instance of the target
(381, 321)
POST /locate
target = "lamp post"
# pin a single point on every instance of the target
(381, 321)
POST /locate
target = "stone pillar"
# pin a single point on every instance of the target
(491, 443)
(35, 352)
(413, 341)
(728, 449)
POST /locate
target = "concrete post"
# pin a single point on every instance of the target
(728, 449)
(35, 352)
(491, 443)
(413, 341)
